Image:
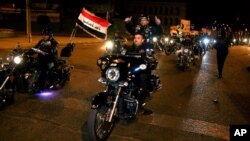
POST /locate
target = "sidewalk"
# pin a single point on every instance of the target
(22, 39)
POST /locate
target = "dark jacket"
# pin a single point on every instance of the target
(137, 49)
(50, 47)
(222, 44)
(148, 31)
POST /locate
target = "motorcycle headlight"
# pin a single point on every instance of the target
(109, 45)
(234, 40)
(205, 41)
(99, 62)
(112, 74)
(245, 40)
(171, 41)
(154, 39)
(166, 39)
(17, 59)
(9, 58)
(149, 51)
(185, 50)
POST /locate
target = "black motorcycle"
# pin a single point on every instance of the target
(57, 75)
(119, 99)
(185, 58)
(26, 72)
(171, 47)
(157, 44)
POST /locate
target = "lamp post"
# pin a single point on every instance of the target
(28, 21)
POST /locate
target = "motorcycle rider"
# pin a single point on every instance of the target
(144, 27)
(203, 37)
(140, 47)
(47, 58)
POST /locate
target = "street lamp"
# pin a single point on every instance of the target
(28, 21)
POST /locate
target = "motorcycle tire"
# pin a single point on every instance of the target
(99, 129)
(6, 98)
(2, 101)
(167, 52)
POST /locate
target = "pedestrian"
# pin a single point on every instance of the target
(222, 43)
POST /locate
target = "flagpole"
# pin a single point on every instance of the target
(107, 15)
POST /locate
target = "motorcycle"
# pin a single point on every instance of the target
(185, 57)
(171, 46)
(205, 45)
(157, 44)
(9, 73)
(26, 71)
(59, 72)
(120, 98)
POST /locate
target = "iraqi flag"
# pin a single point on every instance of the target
(93, 25)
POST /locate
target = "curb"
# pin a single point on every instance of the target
(6, 33)
(21, 38)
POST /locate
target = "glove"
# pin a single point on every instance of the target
(157, 20)
(128, 19)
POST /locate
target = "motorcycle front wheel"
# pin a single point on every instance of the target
(167, 51)
(98, 126)
(2, 101)
(6, 97)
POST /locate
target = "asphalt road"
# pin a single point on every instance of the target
(184, 109)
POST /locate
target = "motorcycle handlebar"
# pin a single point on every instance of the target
(39, 51)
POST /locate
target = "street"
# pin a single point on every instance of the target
(184, 109)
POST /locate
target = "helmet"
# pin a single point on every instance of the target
(47, 31)
(142, 16)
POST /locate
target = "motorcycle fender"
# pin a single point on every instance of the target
(99, 99)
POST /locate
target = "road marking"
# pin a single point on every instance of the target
(188, 125)
(206, 63)
(124, 138)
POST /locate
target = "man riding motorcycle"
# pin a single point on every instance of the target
(149, 31)
(47, 58)
(139, 47)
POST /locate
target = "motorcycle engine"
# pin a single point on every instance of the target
(131, 106)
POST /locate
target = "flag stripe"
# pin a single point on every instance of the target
(90, 31)
(94, 18)
(93, 25)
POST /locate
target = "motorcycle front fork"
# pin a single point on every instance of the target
(114, 104)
